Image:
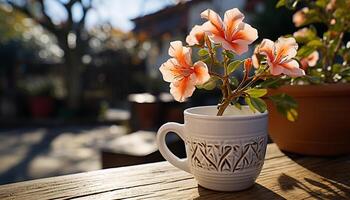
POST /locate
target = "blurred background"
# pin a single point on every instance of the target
(80, 87)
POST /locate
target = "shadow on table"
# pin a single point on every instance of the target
(256, 192)
(20, 171)
(289, 183)
(335, 173)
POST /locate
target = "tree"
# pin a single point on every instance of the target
(72, 38)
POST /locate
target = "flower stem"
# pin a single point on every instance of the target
(225, 89)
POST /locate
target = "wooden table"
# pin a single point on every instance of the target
(283, 177)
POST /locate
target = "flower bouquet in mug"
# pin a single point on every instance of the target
(226, 143)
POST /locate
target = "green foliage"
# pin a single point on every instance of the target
(315, 44)
(209, 85)
(291, 4)
(255, 92)
(12, 24)
(233, 66)
(249, 103)
(259, 104)
(272, 83)
(256, 104)
(334, 17)
(237, 105)
(285, 105)
(229, 54)
(345, 72)
(309, 34)
(313, 79)
(203, 52)
(305, 51)
(234, 81)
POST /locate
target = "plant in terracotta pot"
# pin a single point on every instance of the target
(323, 95)
(225, 143)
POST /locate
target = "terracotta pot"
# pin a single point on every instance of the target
(41, 106)
(323, 126)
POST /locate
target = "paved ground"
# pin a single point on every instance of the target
(32, 153)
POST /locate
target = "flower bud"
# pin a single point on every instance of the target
(248, 63)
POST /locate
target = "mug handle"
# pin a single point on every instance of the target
(163, 148)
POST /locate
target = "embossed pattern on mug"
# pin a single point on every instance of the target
(227, 156)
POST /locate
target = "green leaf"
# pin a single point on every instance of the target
(345, 71)
(249, 103)
(238, 105)
(286, 105)
(315, 44)
(305, 51)
(290, 4)
(255, 92)
(209, 85)
(258, 104)
(284, 99)
(202, 52)
(230, 55)
(292, 115)
(234, 81)
(272, 83)
(313, 79)
(233, 66)
(312, 16)
(281, 3)
(321, 3)
(337, 68)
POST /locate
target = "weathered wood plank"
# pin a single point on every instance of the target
(282, 177)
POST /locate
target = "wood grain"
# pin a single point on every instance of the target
(283, 177)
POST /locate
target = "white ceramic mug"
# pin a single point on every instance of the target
(224, 153)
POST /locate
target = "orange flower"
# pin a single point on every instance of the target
(279, 56)
(181, 73)
(310, 60)
(300, 17)
(196, 36)
(232, 33)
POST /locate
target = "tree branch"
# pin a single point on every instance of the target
(86, 8)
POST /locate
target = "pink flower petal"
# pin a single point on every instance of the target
(170, 70)
(300, 17)
(247, 33)
(312, 59)
(214, 18)
(255, 60)
(301, 33)
(285, 49)
(292, 69)
(182, 54)
(232, 18)
(201, 72)
(266, 48)
(175, 49)
(210, 29)
(196, 36)
(183, 88)
(240, 46)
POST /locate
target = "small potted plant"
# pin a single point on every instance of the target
(225, 143)
(40, 100)
(323, 95)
